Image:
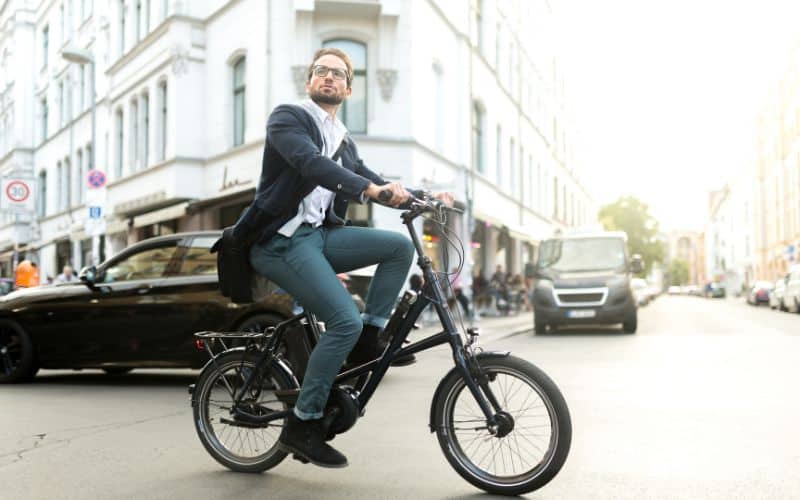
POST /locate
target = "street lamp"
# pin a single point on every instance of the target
(82, 57)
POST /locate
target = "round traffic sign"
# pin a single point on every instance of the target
(18, 191)
(96, 178)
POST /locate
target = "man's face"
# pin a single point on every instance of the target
(327, 89)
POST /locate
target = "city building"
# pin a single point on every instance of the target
(464, 96)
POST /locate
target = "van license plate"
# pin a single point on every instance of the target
(581, 313)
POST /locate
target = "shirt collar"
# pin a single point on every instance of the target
(322, 116)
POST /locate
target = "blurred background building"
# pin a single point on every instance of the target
(464, 95)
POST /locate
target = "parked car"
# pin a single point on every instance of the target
(716, 291)
(138, 309)
(777, 293)
(791, 296)
(674, 290)
(640, 291)
(759, 293)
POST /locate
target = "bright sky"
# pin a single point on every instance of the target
(664, 94)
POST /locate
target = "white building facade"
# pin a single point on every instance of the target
(458, 95)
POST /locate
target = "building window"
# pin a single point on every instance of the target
(479, 7)
(499, 160)
(138, 20)
(59, 190)
(82, 92)
(121, 41)
(41, 200)
(119, 143)
(478, 138)
(45, 117)
(66, 185)
(134, 145)
(512, 160)
(45, 45)
(86, 8)
(165, 8)
(555, 197)
(62, 22)
(497, 46)
(145, 140)
(61, 104)
(162, 99)
(353, 112)
(239, 100)
(148, 7)
(79, 177)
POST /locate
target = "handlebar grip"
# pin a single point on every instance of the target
(385, 196)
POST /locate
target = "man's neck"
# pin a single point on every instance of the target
(331, 109)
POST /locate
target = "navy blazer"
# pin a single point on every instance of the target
(292, 166)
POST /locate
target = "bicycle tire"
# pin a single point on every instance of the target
(453, 387)
(213, 441)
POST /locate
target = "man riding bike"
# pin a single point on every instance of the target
(310, 170)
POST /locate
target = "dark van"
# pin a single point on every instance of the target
(585, 279)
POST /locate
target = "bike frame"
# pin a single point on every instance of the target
(377, 368)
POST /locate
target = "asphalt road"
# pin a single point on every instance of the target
(701, 403)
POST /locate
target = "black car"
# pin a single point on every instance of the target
(139, 309)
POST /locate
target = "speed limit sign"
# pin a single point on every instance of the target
(18, 194)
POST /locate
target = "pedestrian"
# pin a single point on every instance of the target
(458, 291)
(66, 276)
(26, 275)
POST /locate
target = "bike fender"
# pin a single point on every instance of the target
(278, 362)
(454, 373)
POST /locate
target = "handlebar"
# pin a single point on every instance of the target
(425, 204)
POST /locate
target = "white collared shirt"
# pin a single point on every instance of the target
(313, 207)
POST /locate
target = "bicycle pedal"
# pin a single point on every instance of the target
(300, 459)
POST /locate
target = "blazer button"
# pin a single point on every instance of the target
(339, 186)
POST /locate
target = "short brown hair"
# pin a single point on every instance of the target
(334, 52)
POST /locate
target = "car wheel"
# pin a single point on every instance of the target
(117, 370)
(539, 327)
(17, 354)
(630, 324)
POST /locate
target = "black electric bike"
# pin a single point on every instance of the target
(502, 423)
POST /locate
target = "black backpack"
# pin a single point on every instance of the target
(233, 267)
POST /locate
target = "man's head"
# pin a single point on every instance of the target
(330, 75)
(67, 270)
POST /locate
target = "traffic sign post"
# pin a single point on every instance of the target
(18, 195)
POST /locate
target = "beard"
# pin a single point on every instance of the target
(321, 98)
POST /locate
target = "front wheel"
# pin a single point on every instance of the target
(533, 438)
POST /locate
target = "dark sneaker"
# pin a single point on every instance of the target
(306, 440)
(371, 345)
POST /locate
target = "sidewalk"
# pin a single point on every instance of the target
(503, 325)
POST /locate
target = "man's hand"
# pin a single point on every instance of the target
(399, 193)
(446, 198)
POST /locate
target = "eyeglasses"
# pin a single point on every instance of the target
(322, 71)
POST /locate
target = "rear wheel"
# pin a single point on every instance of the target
(17, 354)
(533, 437)
(236, 446)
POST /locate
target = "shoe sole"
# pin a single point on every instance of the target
(302, 457)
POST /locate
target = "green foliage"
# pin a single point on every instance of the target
(629, 214)
(678, 273)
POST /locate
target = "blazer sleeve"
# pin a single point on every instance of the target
(292, 140)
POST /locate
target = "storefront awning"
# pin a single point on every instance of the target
(160, 215)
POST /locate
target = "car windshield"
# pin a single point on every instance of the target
(583, 254)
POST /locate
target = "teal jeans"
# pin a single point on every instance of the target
(306, 265)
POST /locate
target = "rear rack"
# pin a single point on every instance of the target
(234, 335)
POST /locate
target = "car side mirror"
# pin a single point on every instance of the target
(531, 270)
(637, 265)
(89, 275)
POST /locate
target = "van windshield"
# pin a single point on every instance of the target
(582, 254)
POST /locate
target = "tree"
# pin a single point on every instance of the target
(629, 214)
(678, 272)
